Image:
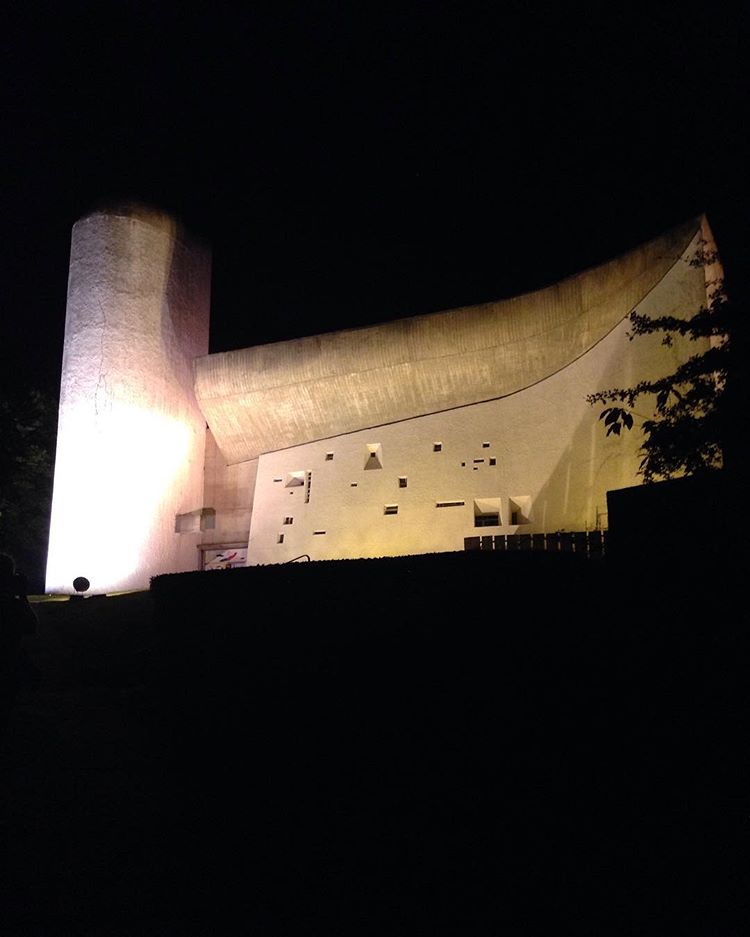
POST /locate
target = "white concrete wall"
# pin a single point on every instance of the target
(229, 490)
(130, 437)
(285, 394)
(549, 447)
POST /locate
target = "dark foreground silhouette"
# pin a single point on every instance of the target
(460, 744)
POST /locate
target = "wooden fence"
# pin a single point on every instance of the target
(591, 543)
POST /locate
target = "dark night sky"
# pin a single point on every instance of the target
(353, 163)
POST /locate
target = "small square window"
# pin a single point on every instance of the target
(288, 520)
(402, 482)
(374, 456)
(390, 509)
(329, 457)
(437, 447)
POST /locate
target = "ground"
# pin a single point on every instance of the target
(479, 773)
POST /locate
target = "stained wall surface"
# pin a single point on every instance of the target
(130, 445)
(538, 456)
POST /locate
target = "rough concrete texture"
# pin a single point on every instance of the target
(543, 448)
(262, 399)
(131, 437)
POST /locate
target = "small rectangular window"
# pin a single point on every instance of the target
(280, 538)
(353, 485)
(437, 447)
(449, 504)
(487, 512)
(493, 461)
(402, 482)
(485, 445)
(487, 520)
(318, 532)
(390, 509)
(278, 479)
(476, 461)
(288, 520)
(329, 457)
(195, 521)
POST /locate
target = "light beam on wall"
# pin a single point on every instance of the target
(109, 492)
(130, 435)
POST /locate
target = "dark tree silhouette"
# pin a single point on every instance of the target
(27, 429)
(688, 432)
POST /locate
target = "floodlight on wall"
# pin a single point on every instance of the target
(81, 585)
(130, 439)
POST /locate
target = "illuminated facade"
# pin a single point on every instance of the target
(406, 437)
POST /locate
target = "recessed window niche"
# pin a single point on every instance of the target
(487, 512)
(373, 456)
(519, 509)
(195, 521)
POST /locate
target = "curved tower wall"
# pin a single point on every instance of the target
(131, 438)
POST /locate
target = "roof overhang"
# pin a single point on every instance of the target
(284, 394)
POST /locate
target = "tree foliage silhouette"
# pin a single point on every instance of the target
(27, 428)
(687, 433)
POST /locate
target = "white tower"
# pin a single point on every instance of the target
(130, 440)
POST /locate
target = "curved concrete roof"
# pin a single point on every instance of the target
(279, 395)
